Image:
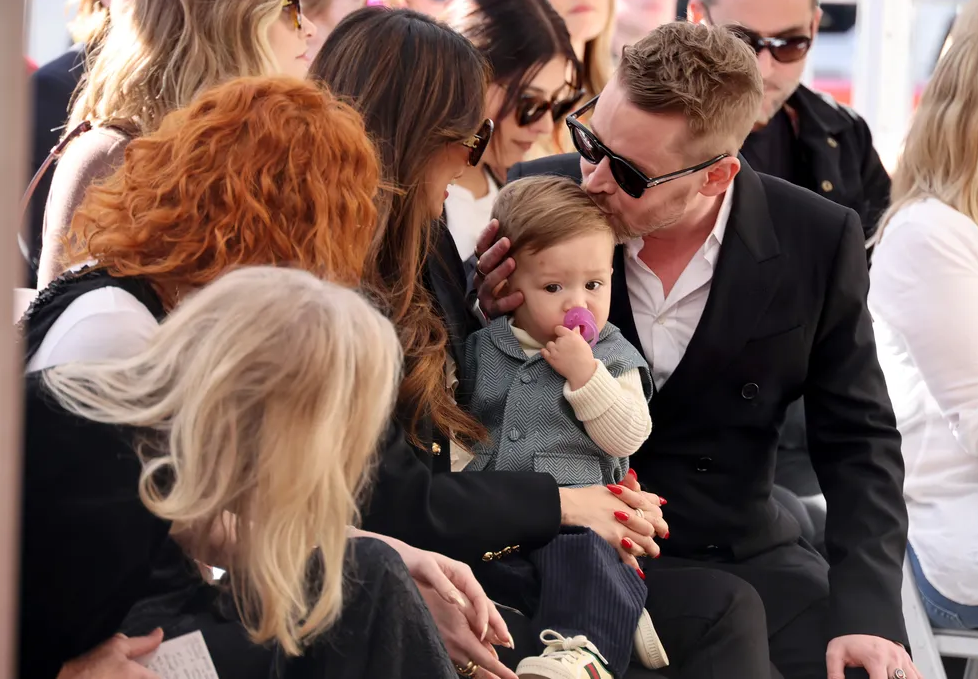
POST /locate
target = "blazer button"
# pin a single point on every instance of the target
(514, 434)
(749, 390)
(435, 449)
(832, 142)
(704, 464)
(525, 379)
(827, 186)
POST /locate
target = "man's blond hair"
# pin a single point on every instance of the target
(538, 212)
(704, 73)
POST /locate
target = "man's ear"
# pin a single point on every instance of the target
(721, 176)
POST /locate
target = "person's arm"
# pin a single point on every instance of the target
(614, 412)
(461, 515)
(876, 181)
(925, 283)
(855, 450)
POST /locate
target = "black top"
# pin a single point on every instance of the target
(88, 543)
(51, 88)
(775, 150)
(786, 317)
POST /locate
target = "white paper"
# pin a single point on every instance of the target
(185, 657)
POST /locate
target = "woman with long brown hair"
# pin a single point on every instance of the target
(259, 171)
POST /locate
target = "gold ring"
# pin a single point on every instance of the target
(467, 671)
(478, 269)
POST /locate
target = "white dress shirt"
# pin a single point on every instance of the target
(924, 296)
(468, 216)
(666, 324)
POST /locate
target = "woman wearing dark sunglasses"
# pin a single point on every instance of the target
(537, 80)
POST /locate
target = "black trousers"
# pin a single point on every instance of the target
(792, 582)
(711, 624)
(385, 629)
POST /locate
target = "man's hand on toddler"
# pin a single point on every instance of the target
(571, 356)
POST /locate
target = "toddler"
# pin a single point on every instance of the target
(553, 403)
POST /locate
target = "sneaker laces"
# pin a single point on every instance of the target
(567, 649)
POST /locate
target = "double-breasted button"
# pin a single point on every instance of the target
(525, 378)
(704, 464)
(749, 390)
(514, 434)
(832, 142)
(827, 186)
(435, 449)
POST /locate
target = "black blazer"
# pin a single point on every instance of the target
(467, 516)
(786, 317)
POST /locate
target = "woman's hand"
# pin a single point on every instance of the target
(114, 659)
(613, 513)
(461, 640)
(454, 582)
(492, 270)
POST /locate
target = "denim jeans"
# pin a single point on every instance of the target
(942, 612)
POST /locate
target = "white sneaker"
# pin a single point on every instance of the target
(648, 649)
(565, 658)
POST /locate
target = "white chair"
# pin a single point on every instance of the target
(928, 644)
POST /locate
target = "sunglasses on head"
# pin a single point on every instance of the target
(478, 142)
(785, 50)
(531, 107)
(294, 7)
(629, 178)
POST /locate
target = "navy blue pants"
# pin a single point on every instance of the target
(576, 584)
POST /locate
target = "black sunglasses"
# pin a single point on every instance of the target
(785, 50)
(295, 8)
(632, 181)
(531, 107)
(478, 142)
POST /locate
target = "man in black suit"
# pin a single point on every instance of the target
(743, 292)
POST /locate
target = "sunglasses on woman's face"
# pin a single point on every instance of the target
(785, 50)
(294, 7)
(478, 142)
(531, 107)
(629, 178)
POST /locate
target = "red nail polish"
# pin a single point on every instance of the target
(640, 573)
(626, 543)
(663, 501)
(621, 516)
(631, 472)
(666, 536)
(614, 489)
(657, 555)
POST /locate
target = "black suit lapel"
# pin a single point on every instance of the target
(748, 272)
(620, 314)
(445, 279)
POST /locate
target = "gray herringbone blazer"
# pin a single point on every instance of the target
(521, 402)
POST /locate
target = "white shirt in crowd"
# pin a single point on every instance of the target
(666, 324)
(924, 297)
(104, 324)
(468, 216)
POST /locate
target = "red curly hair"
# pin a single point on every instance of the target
(258, 171)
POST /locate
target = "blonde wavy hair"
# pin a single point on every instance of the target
(263, 395)
(158, 56)
(940, 155)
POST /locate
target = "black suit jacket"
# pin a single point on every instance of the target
(416, 498)
(786, 317)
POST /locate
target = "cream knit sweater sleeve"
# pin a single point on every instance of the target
(614, 412)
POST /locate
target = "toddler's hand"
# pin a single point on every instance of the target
(571, 356)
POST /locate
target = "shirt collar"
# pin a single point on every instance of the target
(712, 244)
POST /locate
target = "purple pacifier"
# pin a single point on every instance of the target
(579, 317)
